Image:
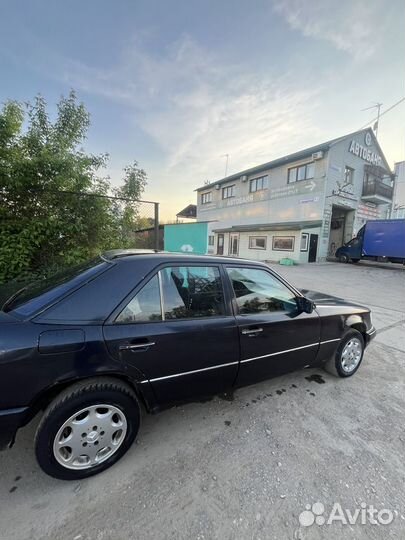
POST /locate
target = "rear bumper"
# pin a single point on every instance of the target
(10, 421)
(370, 335)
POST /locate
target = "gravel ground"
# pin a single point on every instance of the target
(247, 466)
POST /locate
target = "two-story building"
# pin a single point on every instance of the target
(302, 206)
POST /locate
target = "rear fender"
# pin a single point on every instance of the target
(142, 388)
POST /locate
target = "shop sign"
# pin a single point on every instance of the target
(368, 211)
(309, 200)
(238, 200)
(364, 153)
(297, 188)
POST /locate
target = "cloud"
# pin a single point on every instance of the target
(353, 26)
(197, 106)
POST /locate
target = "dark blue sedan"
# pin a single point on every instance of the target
(131, 330)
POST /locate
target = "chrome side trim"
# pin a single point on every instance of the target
(191, 372)
(235, 363)
(137, 346)
(279, 352)
(330, 340)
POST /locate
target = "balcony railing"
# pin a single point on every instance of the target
(377, 188)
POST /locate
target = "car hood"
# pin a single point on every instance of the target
(325, 299)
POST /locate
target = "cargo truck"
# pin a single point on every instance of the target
(379, 240)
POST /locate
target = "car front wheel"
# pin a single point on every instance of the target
(348, 355)
(87, 428)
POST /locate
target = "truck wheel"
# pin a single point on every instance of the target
(348, 355)
(87, 428)
(343, 258)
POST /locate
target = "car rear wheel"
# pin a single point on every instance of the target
(348, 357)
(87, 428)
(343, 258)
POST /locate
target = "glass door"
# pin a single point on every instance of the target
(234, 244)
(220, 244)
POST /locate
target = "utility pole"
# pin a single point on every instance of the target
(377, 122)
(226, 163)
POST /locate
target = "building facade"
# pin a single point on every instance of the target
(302, 206)
(398, 206)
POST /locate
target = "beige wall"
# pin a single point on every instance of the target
(269, 254)
(281, 202)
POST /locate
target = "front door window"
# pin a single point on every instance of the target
(257, 291)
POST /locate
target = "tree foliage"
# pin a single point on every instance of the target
(53, 206)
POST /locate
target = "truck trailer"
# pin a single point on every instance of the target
(378, 240)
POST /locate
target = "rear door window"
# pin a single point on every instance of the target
(192, 292)
(144, 307)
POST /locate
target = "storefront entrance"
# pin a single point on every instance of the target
(220, 244)
(313, 247)
(234, 244)
(341, 228)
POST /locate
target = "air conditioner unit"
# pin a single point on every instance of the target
(244, 178)
(317, 155)
(217, 186)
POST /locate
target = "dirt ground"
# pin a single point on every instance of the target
(246, 468)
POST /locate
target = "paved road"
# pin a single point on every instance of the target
(247, 467)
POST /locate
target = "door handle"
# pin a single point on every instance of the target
(135, 346)
(252, 331)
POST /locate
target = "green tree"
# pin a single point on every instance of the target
(129, 219)
(53, 209)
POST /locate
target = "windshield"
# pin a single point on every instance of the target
(29, 298)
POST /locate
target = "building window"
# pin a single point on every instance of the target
(303, 172)
(259, 184)
(228, 192)
(283, 243)
(206, 197)
(304, 242)
(257, 242)
(349, 175)
(211, 239)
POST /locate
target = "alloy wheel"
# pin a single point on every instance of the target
(351, 355)
(90, 436)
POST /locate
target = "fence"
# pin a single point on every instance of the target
(140, 218)
(42, 231)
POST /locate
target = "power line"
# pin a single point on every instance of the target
(384, 112)
(86, 194)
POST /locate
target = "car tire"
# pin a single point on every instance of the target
(98, 418)
(343, 258)
(348, 356)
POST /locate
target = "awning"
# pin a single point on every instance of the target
(286, 226)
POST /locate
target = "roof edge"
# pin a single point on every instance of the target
(293, 157)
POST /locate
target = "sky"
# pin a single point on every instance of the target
(178, 84)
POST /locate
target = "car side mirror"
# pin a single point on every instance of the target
(305, 305)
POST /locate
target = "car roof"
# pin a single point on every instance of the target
(167, 256)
